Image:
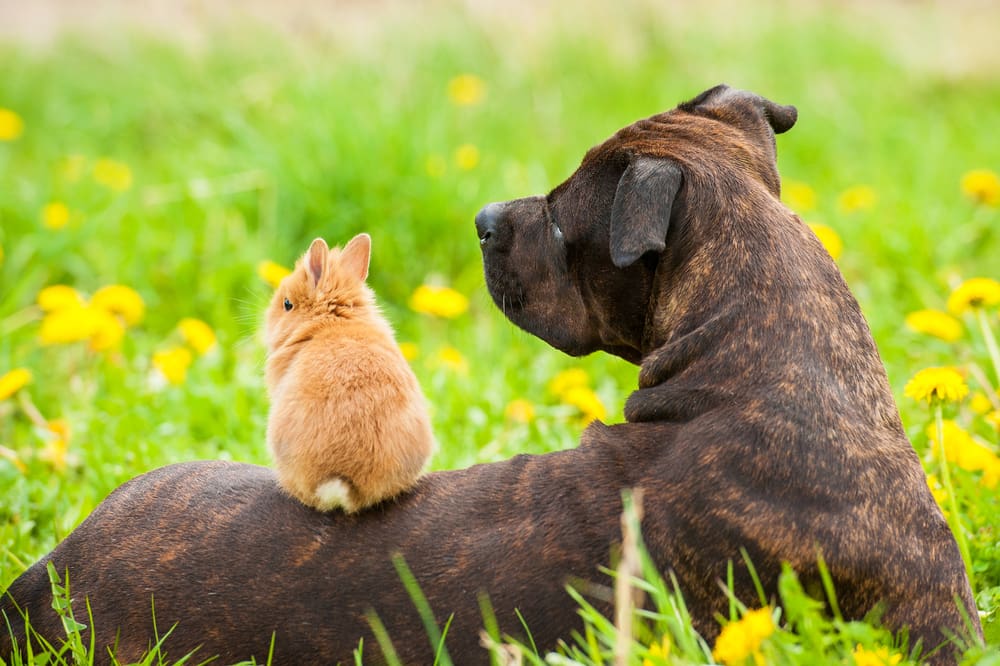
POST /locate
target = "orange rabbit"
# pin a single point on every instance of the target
(348, 425)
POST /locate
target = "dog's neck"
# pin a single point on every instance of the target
(749, 302)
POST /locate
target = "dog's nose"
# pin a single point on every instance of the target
(486, 221)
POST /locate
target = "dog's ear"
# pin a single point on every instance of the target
(640, 214)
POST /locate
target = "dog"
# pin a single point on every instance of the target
(763, 425)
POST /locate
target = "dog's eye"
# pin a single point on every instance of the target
(288, 305)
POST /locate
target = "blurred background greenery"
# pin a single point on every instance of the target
(171, 147)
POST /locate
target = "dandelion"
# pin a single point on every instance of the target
(980, 403)
(70, 324)
(587, 401)
(272, 273)
(438, 301)
(829, 238)
(108, 331)
(466, 90)
(519, 411)
(743, 638)
(435, 166)
(973, 294)
(13, 381)
(173, 364)
(452, 359)
(568, 379)
(935, 385)
(935, 323)
(58, 297)
(976, 294)
(859, 197)
(800, 197)
(991, 473)
(55, 215)
(659, 651)
(961, 448)
(993, 418)
(197, 334)
(877, 657)
(982, 186)
(11, 125)
(937, 492)
(114, 175)
(467, 157)
(120, 300)
(409, 350)
(56, 450)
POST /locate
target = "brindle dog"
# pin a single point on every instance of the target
(763, 423)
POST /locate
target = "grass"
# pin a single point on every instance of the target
(245, 147)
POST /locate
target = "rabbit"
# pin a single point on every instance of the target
(348, 425)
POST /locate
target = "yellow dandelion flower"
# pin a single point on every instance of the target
(878, 657)
(197, 334)
(937, 491)
(859, 197)
(173, 363)
(108, 331)
(452, 359)
(800, 197)
(936, 384)
(659, 651)
(829, 238)
(11, 125)
(56, 449)
(588, 402)
(935, 323)
(993, 418)
(14, 381)
(70, 324)
(272, 273)
(71, 167)
(466, 90)
(974, 293)
(961, 448)
(435, 166)
(11, 456)
(743, 638)
(991, 475)
(112, 174)
(980, 403)
(467, 157)
(120, 300)
(409, 350)
(519, 411)
(568, 379)
(59, 297)
(982, 186)
(438, 301)
(55, 215)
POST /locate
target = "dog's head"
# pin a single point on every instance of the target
(576, 267)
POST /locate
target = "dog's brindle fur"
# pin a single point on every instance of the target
(763, 421)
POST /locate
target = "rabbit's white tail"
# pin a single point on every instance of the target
(335, 494)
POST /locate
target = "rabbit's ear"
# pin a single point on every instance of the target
(356, 256)
(316, 260)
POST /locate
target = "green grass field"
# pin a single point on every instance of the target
(175, 169)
